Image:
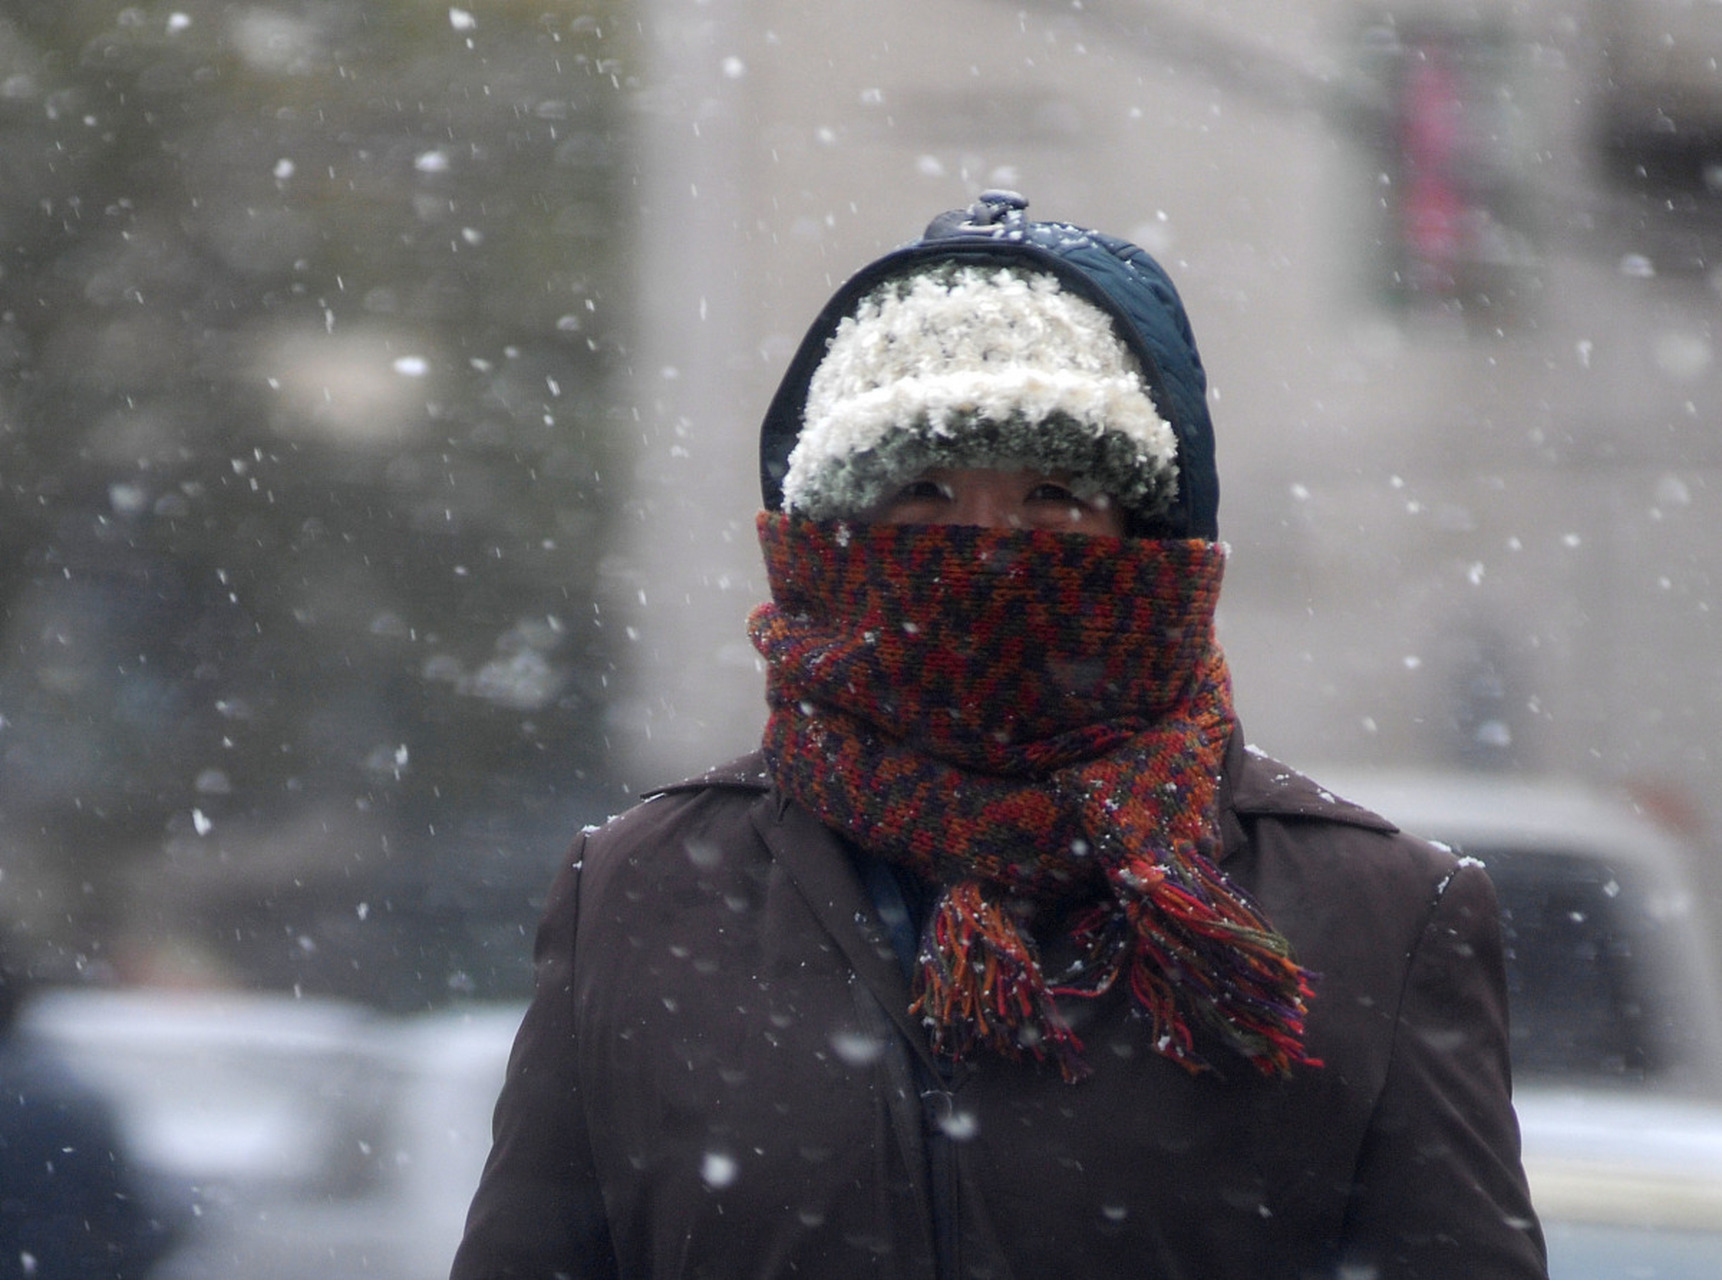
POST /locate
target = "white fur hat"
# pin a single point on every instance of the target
(964, 366)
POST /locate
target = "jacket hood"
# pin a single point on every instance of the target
(1121, 279)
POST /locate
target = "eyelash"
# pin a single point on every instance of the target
(1046, 491)
(1050, 492)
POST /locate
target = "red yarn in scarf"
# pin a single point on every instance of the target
(1026, 715)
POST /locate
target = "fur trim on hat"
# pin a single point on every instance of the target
(977, 366)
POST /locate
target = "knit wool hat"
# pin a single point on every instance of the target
(994, 341)
(971, 365)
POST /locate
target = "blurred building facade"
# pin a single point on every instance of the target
(381, 381)
(1451, 269)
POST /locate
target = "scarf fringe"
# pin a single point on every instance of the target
(1203, 950)
(981, 985)
(1190, 963)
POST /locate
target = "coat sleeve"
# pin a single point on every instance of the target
(538, 1213)
(1440, 1191)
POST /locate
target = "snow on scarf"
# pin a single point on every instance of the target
(1029, 716)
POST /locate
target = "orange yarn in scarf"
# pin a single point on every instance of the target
(1029, 716)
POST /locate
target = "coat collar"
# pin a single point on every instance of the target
(1252, 785)
(747, 772)
(1255, 785)
(813, 856)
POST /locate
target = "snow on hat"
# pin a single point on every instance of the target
(978, 366)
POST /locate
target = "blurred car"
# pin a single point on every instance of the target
(307, 1139)
(1616, 1021)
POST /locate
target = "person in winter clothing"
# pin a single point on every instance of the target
(1004, 956)
(71, 1204)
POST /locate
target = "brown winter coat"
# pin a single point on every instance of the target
(719, 1077)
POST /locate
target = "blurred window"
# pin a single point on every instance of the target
(1581, 967)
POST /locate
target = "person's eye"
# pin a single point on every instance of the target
(1052, 491)
(923, 490)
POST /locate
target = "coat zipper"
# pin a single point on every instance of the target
(938, 1105)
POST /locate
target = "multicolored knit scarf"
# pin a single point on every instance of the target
(1029, 717)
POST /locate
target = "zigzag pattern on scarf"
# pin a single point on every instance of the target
(1029, 717)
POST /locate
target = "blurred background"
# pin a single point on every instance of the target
(379, 381)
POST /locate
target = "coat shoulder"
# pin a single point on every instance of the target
(744, 773)
(687, 827)
(1299, 818)
(1264, 786)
